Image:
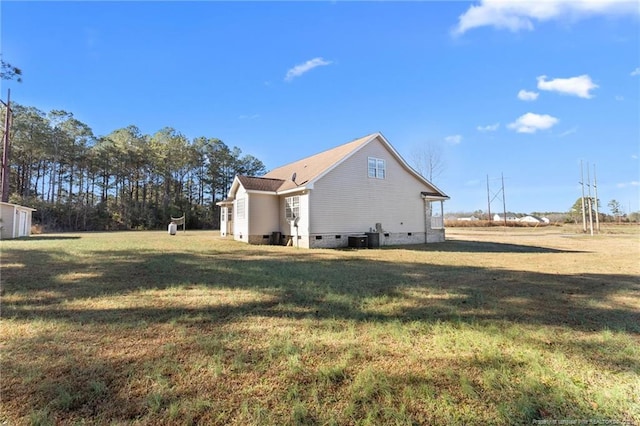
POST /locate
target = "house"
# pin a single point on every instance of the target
(468, 219)
(363, 187)
(534, 219)
(15, 221)
(510, 218)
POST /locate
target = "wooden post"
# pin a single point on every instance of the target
(504, 201)
(595, 188)
(488, 200)
(584, 219)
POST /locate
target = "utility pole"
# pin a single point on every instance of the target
(5, 151)
(584, 219)
(595, 188)
(590, 202)
(504, 201)
(488, 200)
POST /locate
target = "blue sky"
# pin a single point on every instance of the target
(527, 90)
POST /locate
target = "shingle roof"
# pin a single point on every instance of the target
(311, 167)
(260, 183)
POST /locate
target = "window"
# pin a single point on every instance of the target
(227, 214)
(377, 168)
(292, 207)
(240, 208)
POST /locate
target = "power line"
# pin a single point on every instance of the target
(500, 193)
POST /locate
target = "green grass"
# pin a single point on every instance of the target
(494, 326)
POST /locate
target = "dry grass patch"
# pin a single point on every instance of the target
(491, 327)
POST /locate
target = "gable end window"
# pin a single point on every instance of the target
(292, 207)
(377, 168)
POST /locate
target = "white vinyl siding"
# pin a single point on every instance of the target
(256, 215)
(15, 221)
(240, 219)
(301, 226)
(359, 202)
(263, 212)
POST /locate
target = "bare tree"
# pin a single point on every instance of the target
(428, 160)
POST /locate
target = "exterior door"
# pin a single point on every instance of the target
(22, 224)
(230, 220)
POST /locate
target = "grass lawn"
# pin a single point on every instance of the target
(495, 326)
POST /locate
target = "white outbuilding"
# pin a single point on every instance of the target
(15, 221)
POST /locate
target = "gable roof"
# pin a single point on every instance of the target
(310, 169)
(251, 183)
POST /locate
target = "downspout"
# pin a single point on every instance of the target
(444, 231)
(426, 219)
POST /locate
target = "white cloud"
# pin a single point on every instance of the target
(489, 127)
(578, 86)
(249, 117)
(568, 132)
(300, 69)
(619, 98)
(520, 15)
(626, 184)
(635, 72)
(524, 95)
(634, 156)
(531, 123)
(453, 139)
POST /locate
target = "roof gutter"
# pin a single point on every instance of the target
(298, 189)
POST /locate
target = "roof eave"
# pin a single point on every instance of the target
(257, 191)
(434, 196)
(306, 187)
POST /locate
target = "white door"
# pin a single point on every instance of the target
(22, 224)
(230, 220)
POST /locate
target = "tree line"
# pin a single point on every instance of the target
(78, 181)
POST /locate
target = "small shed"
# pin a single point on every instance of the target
(15, 221)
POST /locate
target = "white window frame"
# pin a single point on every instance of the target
(292, 207)
(377, 168)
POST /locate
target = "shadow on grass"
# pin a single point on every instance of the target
(465, 246)
(91, 382)
(313, 285)
(47, 238)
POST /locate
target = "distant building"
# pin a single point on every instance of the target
(15, 221)
(533, 219)
(468, 219)
(510, 218)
